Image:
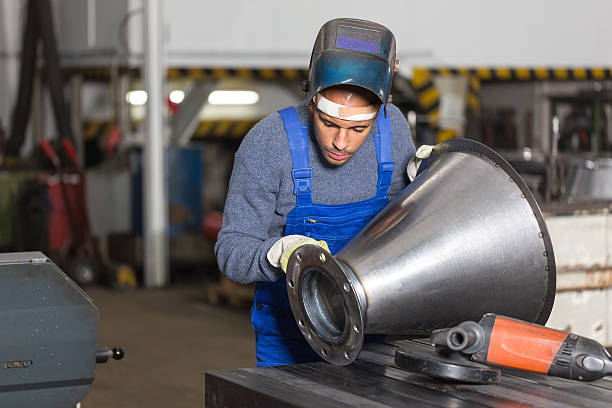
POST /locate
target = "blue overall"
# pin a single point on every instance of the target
(277, 337)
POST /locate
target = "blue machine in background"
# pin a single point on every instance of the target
(185, 185)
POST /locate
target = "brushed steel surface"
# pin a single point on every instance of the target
(464, 239)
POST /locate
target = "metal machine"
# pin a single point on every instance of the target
(465, 238)
(589, 178)
(48, 341)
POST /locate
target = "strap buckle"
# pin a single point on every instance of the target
(302, 180)
(385, 171)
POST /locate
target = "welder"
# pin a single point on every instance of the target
(316, 172)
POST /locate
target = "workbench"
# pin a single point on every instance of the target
(374, 380)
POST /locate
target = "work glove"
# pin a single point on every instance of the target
(279, 253)
(422, 153)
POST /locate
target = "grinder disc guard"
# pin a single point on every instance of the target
(444, 364)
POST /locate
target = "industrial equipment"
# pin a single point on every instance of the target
(589, 178)
(70, 237)
(512, 343)
(465, 238)
(48, 344)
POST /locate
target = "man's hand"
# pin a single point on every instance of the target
(413, 165)
(279, 253)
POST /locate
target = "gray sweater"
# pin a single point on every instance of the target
(261, 195)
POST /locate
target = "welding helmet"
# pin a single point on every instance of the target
(352, 52)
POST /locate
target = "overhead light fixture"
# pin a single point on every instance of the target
(233, 97)
(412, 118)
(177, 96)
(136, 98)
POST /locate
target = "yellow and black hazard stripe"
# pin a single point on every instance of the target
(429, 102)
(100, 129)
(96, 129)
(427, 93)
(98, 73)
(245, 73)
(269, 74)
(223, 129)
(429, 97)
(502, 74)
(473, 96)
(207, 129)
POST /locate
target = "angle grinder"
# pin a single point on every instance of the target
(462, 353)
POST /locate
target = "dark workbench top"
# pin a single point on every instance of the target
(373, 380)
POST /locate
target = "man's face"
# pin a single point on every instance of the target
(339, 139)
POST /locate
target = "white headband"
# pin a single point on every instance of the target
(352, 113)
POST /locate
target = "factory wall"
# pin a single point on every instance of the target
(97, 22)
(438, 32)
(243, 33)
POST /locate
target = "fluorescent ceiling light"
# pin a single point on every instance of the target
(137, 98)
(233, 98)
(177, 96)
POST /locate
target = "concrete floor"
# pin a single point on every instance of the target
(171, 337)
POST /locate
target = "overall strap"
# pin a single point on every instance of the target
(297, 134)
(383, 152)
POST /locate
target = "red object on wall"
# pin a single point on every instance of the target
(61, 237)
(172, 107)
(113, 139)
(211, 225)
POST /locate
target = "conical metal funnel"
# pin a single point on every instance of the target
(465, 238)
